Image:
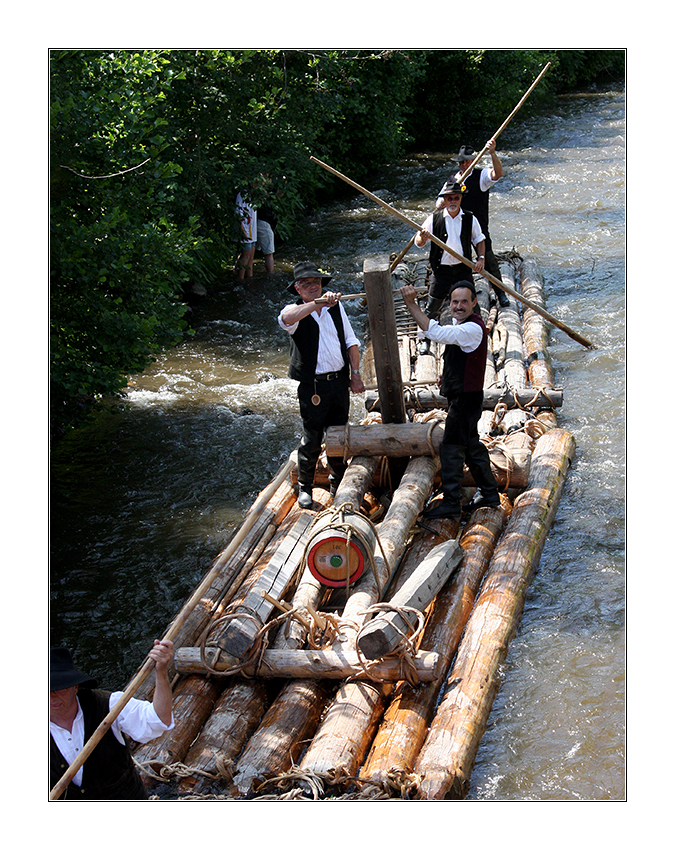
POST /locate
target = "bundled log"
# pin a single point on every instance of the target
(236, 714)
(233, 569)
(514, 373)
(295, 713)
(536, 336)
(445, 762)
(342, 740)
(405, 724)
(509, 455)
(193, 701)
(429, 397)
(386, 631)
(310, 663)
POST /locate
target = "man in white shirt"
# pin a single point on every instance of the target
(325, 361)
(76, 708)
(460, 231)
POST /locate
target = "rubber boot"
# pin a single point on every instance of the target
(433, 311)
(308, 454)
(501, 296)
(478, 461)
(338, 467)
(452, 472)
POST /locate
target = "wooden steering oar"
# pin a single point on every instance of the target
(505, 124)
(255, 510)
(498, 283)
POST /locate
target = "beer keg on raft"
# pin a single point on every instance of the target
(340, 548)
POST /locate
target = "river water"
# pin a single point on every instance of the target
(145, 497)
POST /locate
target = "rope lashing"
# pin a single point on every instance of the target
(406, 649)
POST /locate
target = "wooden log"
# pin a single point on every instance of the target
(445, 762)
(294, 715)
(240, 634)
(281, 736)
(536, 336)
(342, 740)
(308, 664)
(232, 569)
(514, 373)
(236, 714)
(430, 398)
(386, 631)
(193, 701)
(404, 727)
(377, 284)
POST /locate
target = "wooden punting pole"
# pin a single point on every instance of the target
(445, 762)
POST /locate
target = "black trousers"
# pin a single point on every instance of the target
(445, 277)
(332, 409)
(461, 443)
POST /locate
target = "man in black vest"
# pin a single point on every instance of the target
(477, 199)
(325, 361)
(459, 229)
(76, 709)
(462, 384)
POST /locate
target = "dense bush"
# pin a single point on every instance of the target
(148, 149)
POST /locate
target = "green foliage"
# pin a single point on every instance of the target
(149, 147)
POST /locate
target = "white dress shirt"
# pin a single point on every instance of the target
(329, 357)
(453, 227)
(138, 719)
(467, 335)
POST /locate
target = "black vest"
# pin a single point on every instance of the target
(305, 345)
(440, 232)
(475, 200)
(109, 773)
(462, 372)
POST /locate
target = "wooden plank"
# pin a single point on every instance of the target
(386, 631)
(240, 634)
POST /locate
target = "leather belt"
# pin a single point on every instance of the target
(327, 376)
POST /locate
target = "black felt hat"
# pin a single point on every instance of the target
(466, 152)
(452, 188)
(303, 270)
(64, 674)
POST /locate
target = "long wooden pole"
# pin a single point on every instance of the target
(507, 122)
(495, 281)
(255, 510)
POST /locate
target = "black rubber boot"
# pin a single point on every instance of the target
(478, 461)
(308, 454)
(433, 311)
(501, 296)
(452, 471)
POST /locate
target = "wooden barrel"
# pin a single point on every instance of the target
(340, 548)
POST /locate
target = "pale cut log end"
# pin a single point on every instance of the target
(442, 784)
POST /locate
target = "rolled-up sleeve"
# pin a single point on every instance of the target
(138, 719)
(467, 335)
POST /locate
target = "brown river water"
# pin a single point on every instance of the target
(145, 497)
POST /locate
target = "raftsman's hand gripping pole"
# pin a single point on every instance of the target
(500, 284)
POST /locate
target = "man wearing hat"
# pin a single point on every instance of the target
(477, 199)
(460, 230)
(325, 361)
(76, 709)
(464, 359)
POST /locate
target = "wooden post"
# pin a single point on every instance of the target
(445, 762)
(377, 284)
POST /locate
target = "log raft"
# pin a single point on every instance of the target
(288, 686)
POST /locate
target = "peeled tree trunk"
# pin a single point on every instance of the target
(446, 759)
